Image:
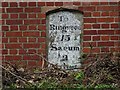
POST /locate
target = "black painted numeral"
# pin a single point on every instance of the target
(65, 38)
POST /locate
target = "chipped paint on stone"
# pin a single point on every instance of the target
(64, 29)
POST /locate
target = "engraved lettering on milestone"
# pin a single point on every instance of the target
(64, 29)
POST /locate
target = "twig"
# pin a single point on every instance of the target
(19, 77)
(50, 63)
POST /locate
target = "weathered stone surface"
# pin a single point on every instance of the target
(64, 29)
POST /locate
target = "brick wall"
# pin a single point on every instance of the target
(24, 28)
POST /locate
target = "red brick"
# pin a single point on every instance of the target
(89, 20)
(41, 39)
(96, 38)
(35, 10)
(86, 50)
(87, 14)
(80, 8)
(4, 4)
(114, 13)
(13, 27)
(90, 8)
(31, 51)
(105, 25)
(109, 32)
(2, 34)
(31, 34)
(76, 3)
(13, 51)
(89, 44)
(95, 3)
(113, 3)
(105, 14)
(117, 43)
(105, 44)
(32, 27)
(11, 22)
(105, 19)
(22, 51)
(34, 45)
(96, 26)
(41, 51)
(115, 26)
(33, 21)
(2, 22)
(43, 46)
(41, 27)
(96, 14)
(13, 4)
(32, 15)
(43, 21)
(107, 8)
(105, 38)
(113, 49)
(90, 32)
(23, 4)
(1, 46)
(104, 49)
(117, 32)
(5, 16)
(4, 51)
(32, 63)
(31, 3)
(40, 62)
(23, 15)
(13, 46)
(14, 34)
(58, 3)
(5, 28)
(32, 40)
(41, 16)
(13, 40)
(67, 3)
(13, 57)
(86, 3)
(23, 27)
(14, 10)
(5, 40)
(104, 3)
(49, 3)
(86, 38)
(43, 34)
(41, 3)
(95, 50)
(117, 19)
(30, 57)
(114, 37)
(87, 26)
(3, 10)
(22, 39)
(13, 16)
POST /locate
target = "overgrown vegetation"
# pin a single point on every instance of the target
(102, 72)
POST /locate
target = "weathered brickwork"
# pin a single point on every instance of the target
(24, 28)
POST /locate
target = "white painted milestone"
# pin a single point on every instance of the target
(64, 31)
